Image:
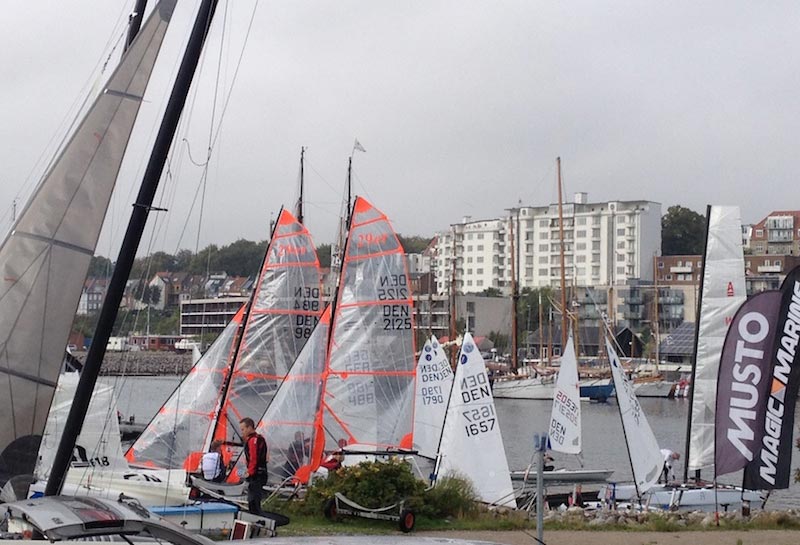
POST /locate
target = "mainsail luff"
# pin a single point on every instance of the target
(284, 310)
(722, 292)
(46, 256)
(368, 383)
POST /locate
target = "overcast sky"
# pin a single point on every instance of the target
(462, 107)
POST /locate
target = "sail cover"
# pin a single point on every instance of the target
(46, 255)
(646, 459)
(284, 310)
(368, 382)
(723, 294)
(434, 384)
(471, 442)
(565, 419)
(182, 425)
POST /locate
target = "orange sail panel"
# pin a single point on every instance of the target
(284, 311)
(369, 377)
(182, 425)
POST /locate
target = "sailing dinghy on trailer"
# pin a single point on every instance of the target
(352, 386)
(45, 257)
(238, 375)
(472, 444)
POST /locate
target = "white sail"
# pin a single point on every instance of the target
(565, 419)
(434, 383)
(46, 255)
(472, 445)
(646, 459)
(98, 467)
(723, 293)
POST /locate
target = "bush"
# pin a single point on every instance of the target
(452, 497)
(371, 484)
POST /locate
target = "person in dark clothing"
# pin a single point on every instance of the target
(294, 455)
(256, 454)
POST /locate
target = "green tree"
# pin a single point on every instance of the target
(682, 231)
(100, 267)
(324, 255)
(492, 292)
(242, 258)
(528, 310)
(414, 244)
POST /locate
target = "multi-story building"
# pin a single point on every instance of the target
(208, 317)
(777, 234)
(605, 243)
(92, 295)
(481, 315)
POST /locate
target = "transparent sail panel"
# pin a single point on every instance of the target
(182, 425)
(290, 419)
(285, 309)
(45, 257)
(368, 396)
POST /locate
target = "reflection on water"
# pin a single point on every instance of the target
(603, 441)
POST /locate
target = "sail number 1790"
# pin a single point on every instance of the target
(480, 420)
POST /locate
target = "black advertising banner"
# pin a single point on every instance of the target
(743, 384)
(770, 468)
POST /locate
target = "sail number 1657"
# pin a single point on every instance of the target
(480, 420)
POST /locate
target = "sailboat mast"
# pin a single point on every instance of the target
(135, 22)
(541, 330)
(657, 326)
(564, 324)
(130, 244)
(349, 190)
(514, 296)
(300, 200)
(453, 314)
(237, 342)
(694, 352)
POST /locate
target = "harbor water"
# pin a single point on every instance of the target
(603, 441)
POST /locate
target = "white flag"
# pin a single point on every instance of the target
(358, 147)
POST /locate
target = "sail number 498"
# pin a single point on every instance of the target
(481, 420)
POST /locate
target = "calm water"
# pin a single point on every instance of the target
(603, 442)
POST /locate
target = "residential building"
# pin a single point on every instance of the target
(92, 295)
(777, 234)
(208, 316)
(480, 314)
(605, 243)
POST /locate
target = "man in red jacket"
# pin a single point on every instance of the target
(255, 452)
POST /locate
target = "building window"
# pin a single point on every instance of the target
(596, 245)
(669, 277)
(621, 232)
(469, 282)
(479, 283)
(480, 247)
(620, 270)
(595, 233)
(544, 223)
(580, 259)
(479, 271)
(469, 248)
(759, 232)
(620, 257)
(621, 219)
(529, 260)
(479, 259)
(543, 259)
(580, 233)
(581, 271)
(595, 271)
(480, 236)
(580, 221)
(580, 245)
(469, 236)
(469, 271)
(542, 272)
(543, 247)
(660, 264)
(621, 245)
(544, 235)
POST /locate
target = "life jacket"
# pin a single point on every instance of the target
(255, 452)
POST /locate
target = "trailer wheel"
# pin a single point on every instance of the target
(330, 510)
(407, 520)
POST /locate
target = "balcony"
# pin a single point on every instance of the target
(769, 268)
(682, 269)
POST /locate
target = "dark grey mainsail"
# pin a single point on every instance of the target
(45, 257)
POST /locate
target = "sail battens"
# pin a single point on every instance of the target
(123, 94)
(48, 250)
(54, 242)
(27, 376)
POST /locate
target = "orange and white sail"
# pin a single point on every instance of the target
(238, 375)
(284, 311)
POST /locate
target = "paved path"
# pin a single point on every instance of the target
(564, 537)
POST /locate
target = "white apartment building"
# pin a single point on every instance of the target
(605, 243)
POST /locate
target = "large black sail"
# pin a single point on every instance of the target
(744, 382)
(772, 459)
